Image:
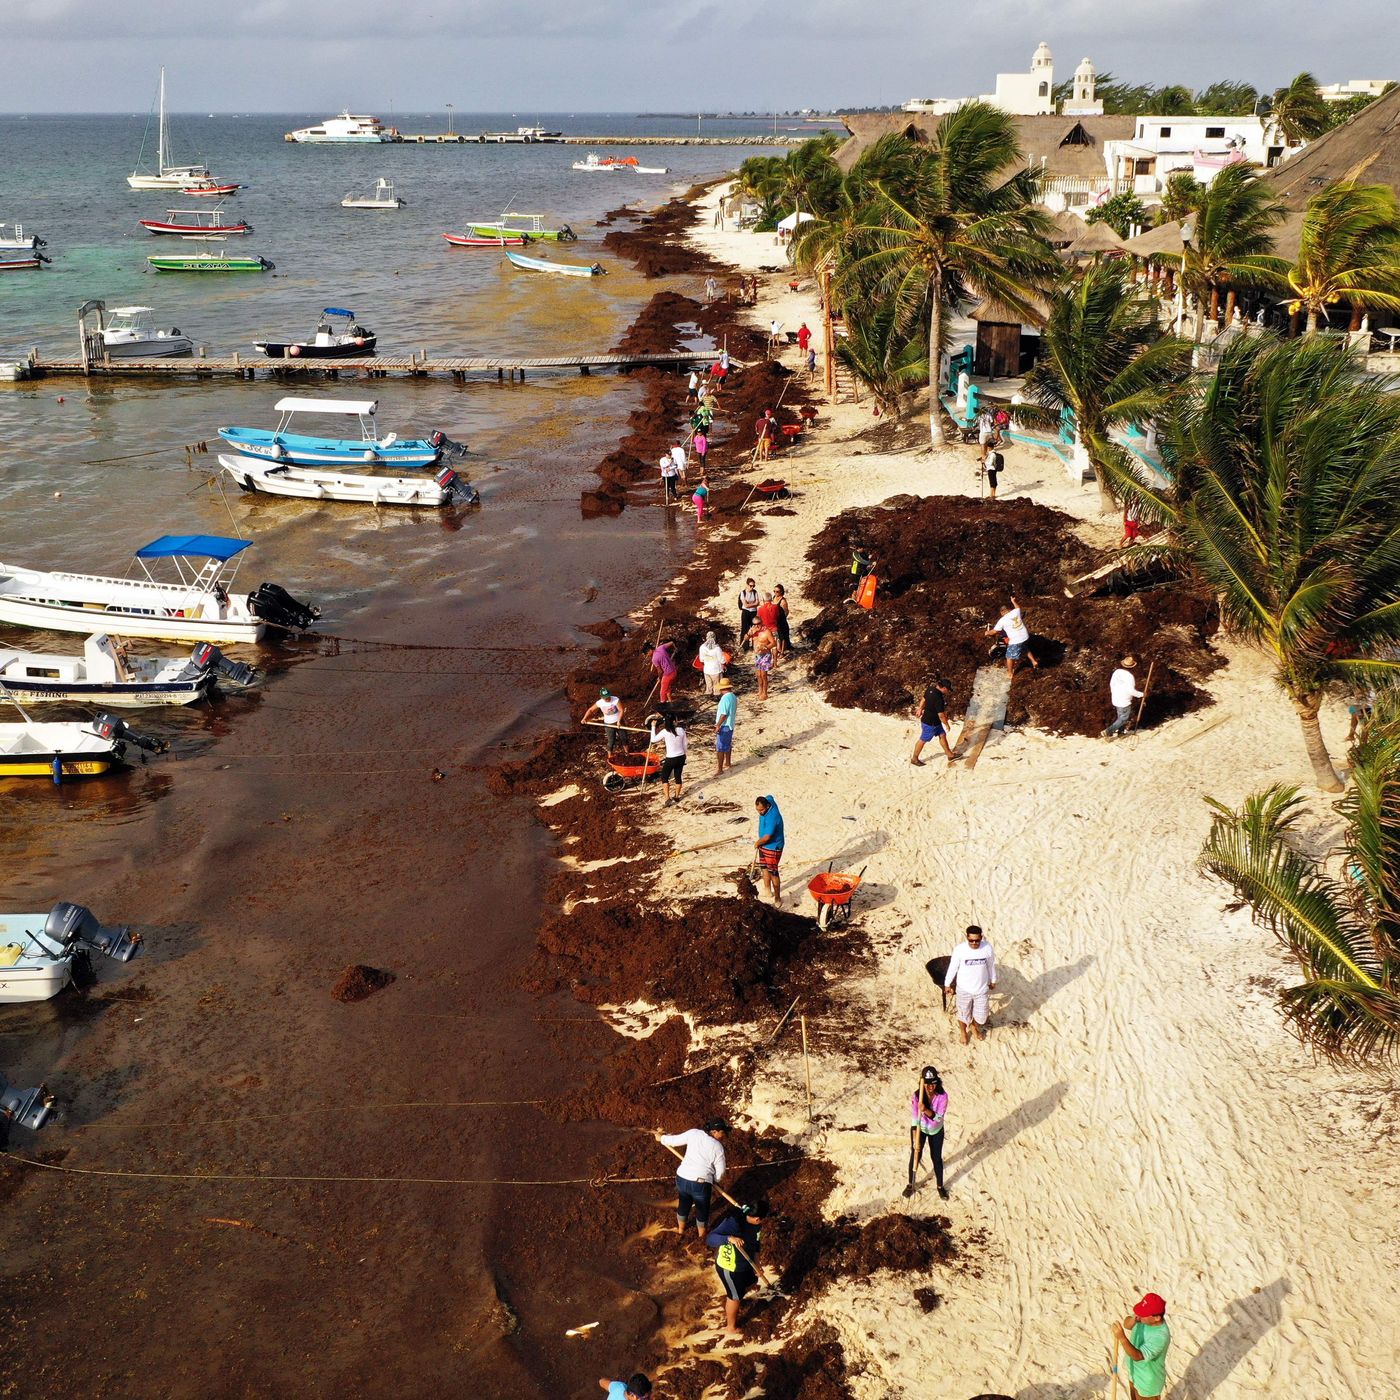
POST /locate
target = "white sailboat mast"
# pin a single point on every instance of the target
(162, 138)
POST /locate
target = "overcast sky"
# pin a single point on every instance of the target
(659, 55)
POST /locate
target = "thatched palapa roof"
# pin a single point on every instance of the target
(1366, 149)
(1097, 237)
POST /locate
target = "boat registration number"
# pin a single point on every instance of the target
(84, 768)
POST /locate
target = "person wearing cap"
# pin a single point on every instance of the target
(927, 1110)
(726, 717)
(701, 1169)
(638, 1388)
(973, 967)
(1122, 691)
(1144, 1337)
(609, 709)
(737, 1239)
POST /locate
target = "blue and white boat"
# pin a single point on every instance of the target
(281, 444)
(544, 265)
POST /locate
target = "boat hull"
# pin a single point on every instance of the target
(161, 182)
(128, 695)
(34, 982)
(466, 240)
(157, 348)
(193, 230)
(372, 203)
(299, 450)
(32, 264)
(209, 264)
(564, 269)
(276, 350)
(546, 235)
(312, 484)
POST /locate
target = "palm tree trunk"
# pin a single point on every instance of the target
(1312, 320)
(1323, 771)
(1108, 502)
(1230, 309)
(936, 436)
(1215, 304)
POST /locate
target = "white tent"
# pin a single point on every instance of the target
(793, 220)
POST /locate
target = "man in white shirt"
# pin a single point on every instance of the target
(973, 967)
(609, 709)
(678, 457)
(700, 1171)
(1122, 690)
(1018, 637)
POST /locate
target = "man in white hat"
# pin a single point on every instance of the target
(1122, 690)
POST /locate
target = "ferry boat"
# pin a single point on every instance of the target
(348, 129)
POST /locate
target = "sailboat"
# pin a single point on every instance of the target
(166, 176)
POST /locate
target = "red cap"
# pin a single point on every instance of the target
(1152, 1305)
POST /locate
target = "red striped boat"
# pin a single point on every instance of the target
(471, 240)
(11, 263)
(194, 223)
(217, 191)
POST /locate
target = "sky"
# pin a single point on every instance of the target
(649, 55)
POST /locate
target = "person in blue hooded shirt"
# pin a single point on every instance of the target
(768, 849)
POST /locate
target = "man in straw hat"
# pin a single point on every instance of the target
(1122, 690)
(1143, 1339)
(726, 715)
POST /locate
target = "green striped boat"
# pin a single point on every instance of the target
(209, 262)
(531, 225)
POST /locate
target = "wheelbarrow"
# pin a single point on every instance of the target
(790, 431)
(630, 768)
(833, 894)
(772, 490)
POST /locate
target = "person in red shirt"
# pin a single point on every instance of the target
(770, 616)
(763, 431)
(804, 337)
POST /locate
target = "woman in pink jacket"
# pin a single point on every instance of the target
(927, 1109)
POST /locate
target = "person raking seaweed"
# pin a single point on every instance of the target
(737, 1239)
(1142, 1339)
(701, 1168)
(927, 1110)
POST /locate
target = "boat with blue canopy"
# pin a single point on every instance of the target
(197, 605)
(338, 337)
(545, 265)
(282, 444)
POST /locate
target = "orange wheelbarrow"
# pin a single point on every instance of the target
(629, 768)
(833, 894)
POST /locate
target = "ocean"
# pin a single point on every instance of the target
(297, 828)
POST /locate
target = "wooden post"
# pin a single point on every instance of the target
(806, 1066)
(828, 336)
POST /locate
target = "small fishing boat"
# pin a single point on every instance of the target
(280, 444)
(324, 484)
(129, 333)
(24, 262)
(107, 674)
(544, 265)
(532, 225)
(195, 223)
(38, 952)
(337, 337)
(382, 198)
(593, 161)
(198, 606)
(18, 239)
(208, 260)
(210, 189)
(473, 240)
(34, 749)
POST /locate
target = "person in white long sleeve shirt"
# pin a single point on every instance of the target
(711, 663)
(700, 1171)
(1122, 690)
(973, 967)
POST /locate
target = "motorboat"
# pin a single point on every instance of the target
(446, 488)
(544, 265)
(531, 225)
(17, 238)
(337, 337)
(197, 606)
(475, 240)
(130, 333)
(593, 161)
(36, 749)
(382, 197)
(521, 136)
(281, 444)
(39, 952)
(195, 223)
(107, 674)
(22, 262)
(208, 259)
(209, 189)
(346, 129)
(166, 176)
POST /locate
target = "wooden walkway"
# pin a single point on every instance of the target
(378, 367)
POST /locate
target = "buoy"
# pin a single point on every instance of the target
(60, 398)
(57, 495)
(293, 351)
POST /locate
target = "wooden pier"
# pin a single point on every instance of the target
(413, 366)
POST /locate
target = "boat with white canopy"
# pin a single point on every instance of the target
(198, 606)
(108, 674)
(38, 952)
(281, 444)
(326, 484)
(382, 197)
(19, 239)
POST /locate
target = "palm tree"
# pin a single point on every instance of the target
(1286, 470)
(1341, 928)
(885, 360)
(1227, 243)
(952, 224)
(1103, 356)
(1349, 251)
(1182, 197)
(1298, 110)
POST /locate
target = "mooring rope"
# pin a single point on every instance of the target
(303, 1112)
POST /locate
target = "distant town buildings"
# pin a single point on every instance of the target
(1353, 87)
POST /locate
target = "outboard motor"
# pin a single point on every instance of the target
(30, 1108)
(567, 235)
(459, 490)
(276, 606)
(448, 448)
(70, 925)
(110, 727)
(207, 657)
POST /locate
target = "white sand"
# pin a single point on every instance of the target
(1139, 1118)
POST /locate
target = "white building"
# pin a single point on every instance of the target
(1027, 94)
(1353, 87)
(1200, 146)
(1082, 102)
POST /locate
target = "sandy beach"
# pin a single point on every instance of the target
(1139, 1117)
